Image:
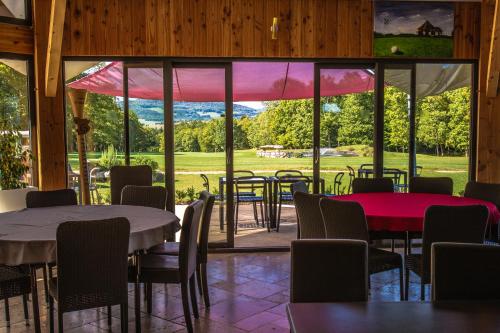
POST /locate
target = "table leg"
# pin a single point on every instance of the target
(269, 202)
(34, 296)
(274, 204)
(137, 294)
(221, 204)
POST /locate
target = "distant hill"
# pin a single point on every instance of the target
(152, 110)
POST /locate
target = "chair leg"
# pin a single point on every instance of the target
(255, 216)
(236, 218)
(60, 322)
(192, 292)
(109, 317)
(392, 245)
(204, 280)
(422, 290)
(198, 279)
(149, 297)
(137, 305)
(401, 284)
(124, 318)
(407, 283)
(25, 308)
(51, 314)
(7, 312)
(45, 284)
(262, 213)
(279, 215)
(185, 305)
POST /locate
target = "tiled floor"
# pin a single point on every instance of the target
(248, 294)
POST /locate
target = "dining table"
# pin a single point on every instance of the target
(392, 317)
(28, 236)
(400, 212)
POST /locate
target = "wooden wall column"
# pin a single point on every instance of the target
(51, 157)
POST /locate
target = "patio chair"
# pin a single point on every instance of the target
(181, 270)
(352, 176)
(337, 182)
(465, 272)
(309, 220)
(140, 175)
(372, 185)
(39, 199)
(329, 270)
(463, 224)
(347, 220)
(434, 185)
(16, 281)
(258, 187)
(486, 192)
(172, 248)
(300, 186)
(91, 268)
(285, 191)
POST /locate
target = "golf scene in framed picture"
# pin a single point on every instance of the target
(413, 29)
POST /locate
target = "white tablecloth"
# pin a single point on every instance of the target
(28, 236)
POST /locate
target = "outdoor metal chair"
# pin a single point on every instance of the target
(257, 186)
(465, 272)
(309, 220)
(463, 224)
(329, 270)
(352, 176)
(285, 193)
(92, 261)
(120, 176)
(347, 220)
(337, 183)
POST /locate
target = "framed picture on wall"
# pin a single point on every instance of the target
(413, 29)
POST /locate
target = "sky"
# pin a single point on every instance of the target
(398, 18)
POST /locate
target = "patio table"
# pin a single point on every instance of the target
(28, 236)
(398, 212)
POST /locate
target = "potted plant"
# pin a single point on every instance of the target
(14, 164)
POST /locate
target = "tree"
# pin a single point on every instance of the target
(356, 119)
(396, 119)
(432, 122)
(13, 98)
(459, 118)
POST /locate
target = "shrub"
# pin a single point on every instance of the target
(144, 160)
(191, 194)
(14, 161)
(179, 196)
(109, 158)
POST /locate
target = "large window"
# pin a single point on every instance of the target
(15, 117)
(15, 11)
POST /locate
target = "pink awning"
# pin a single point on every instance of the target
(252, 81)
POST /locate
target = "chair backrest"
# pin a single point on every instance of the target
(329, 270)
(371, 185)
(243, 173)
(39, 199)
(250, 184)
(188, 248)
(92, 263)
(465, 272)
(206, 182)
(281, 173)
(461, 224)
(300, 186)
(337, 182)
(483, 191)
(208, 205)
(435, 185)
(310, 222)
(344, 219)
(146, 196)
(141, 175)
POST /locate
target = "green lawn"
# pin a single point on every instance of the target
(431, 47)
(190, 165)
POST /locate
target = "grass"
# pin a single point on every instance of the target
(189, 165)
(433, 47)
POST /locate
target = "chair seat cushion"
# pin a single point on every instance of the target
(381, 260)
(168, 248)
(156, 269)
(254, 198)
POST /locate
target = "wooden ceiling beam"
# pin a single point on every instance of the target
(53, 63)
(494, 57)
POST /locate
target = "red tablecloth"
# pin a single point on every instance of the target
(405, 211)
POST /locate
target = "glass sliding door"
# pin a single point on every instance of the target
(443, 137)
(201, 134)
(344, 126)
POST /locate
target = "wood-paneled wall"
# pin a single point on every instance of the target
(237, 28)
(16, 39)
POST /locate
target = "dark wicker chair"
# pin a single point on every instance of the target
(465, 272)
(253, 190)
(40, 199)
(92, 261)
(486, 192)
(172, 248)
(300, 186)
(372, 185)
(140, 175)
(435, 185)
(146, 196)
(329, 270)
(347, 220)
(309, 221)
(16, 281)
(463, 224)
(169, 269)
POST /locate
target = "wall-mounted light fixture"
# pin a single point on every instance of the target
(274, 28)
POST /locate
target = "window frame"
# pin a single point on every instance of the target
(28, 20)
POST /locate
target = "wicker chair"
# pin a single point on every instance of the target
(91, 268)
(372, 185)
(329, 270)
(40, 199)
(300, 186)
(172, 248)
(146, 196)
(347, 220)
(435, 185)
(464, 224)
(465, 272)
(486, 192)
(140, 175)
(155, 268)
(309, 221)
(15, 281)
